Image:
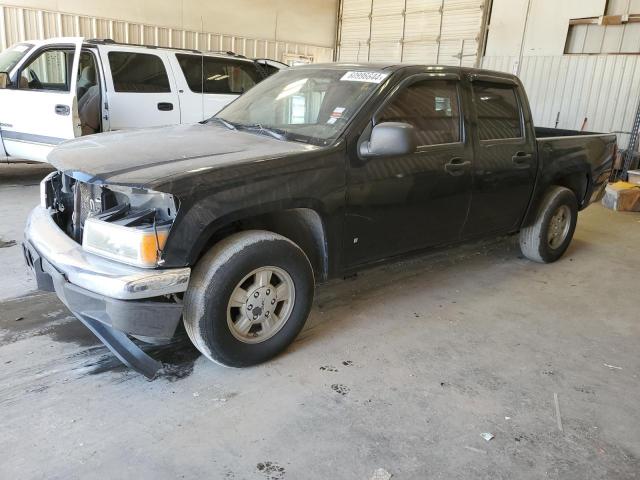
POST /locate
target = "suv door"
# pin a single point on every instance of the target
(399, 204)
(39, 110)
(209, 83)
(505, 164)
(141, 90)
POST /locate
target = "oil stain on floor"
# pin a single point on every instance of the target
(42, 314)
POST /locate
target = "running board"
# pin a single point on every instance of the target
(122, 347)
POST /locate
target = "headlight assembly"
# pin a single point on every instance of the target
(137, 246)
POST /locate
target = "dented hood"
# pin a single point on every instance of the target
(149, 156)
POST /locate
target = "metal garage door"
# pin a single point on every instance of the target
(417, 31)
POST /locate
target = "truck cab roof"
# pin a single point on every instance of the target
(395, 67)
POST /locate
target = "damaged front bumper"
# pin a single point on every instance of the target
(112, 299)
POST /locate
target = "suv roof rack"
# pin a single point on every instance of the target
(228, 52)
(109, 41)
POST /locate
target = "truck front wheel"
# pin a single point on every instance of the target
(547, 239)
(248, 298)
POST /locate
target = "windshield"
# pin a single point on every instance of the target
(12, 55)
(305, 105)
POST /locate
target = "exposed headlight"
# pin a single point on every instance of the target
(140, 247)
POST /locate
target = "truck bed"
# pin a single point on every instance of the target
(546, 132)
(586, 157)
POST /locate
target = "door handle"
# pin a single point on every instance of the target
(165, 106)
(63, 110)
(521, 160)
(456, 166)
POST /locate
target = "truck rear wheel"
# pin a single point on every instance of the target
(248, 298)
(547, 239)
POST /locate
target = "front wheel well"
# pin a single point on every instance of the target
(303, 226)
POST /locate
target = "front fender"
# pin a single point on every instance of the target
(209, 206)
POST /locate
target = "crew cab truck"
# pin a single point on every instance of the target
(63, 88)
(317, 172)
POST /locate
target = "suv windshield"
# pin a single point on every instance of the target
(12, 55)
(305, 105)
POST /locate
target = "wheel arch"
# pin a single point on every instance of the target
(303, 225)
(578, 181)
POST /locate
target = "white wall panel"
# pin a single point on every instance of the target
(19, 24)
(547, 26)
(604, 89)
(413, 31)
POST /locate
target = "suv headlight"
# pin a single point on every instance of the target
(137, 246)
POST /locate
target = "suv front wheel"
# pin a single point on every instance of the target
(248, 298)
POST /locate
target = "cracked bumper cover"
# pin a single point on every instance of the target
(119, 296)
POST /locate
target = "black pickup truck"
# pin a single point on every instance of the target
(315, 173)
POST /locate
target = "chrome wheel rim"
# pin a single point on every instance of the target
(559, 226)
(260, 304)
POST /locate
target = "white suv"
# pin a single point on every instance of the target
(58, 89)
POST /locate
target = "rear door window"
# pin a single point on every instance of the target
(138, 73)
(498, 111)
(220, 75)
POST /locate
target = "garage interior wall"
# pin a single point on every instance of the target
(285, 30)
(445, 32)
(594, 92)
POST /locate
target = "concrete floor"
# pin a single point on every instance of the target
(401, 368)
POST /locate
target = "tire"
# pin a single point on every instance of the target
(547, 239)
(265, 266)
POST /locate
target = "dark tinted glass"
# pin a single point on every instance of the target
(431, 106)
(221, 75)
(138, 72)
(498, 111)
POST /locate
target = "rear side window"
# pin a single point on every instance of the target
(138, 73)
(220, 75)
(431, 106)
(498, 111)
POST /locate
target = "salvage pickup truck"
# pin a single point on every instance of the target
(315, 173)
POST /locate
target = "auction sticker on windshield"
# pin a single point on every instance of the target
(370, 77)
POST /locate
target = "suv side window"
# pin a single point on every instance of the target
(221, 75)
(498, 111)
(431, 106)
(48, 71)
(138, 73)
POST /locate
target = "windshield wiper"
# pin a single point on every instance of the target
(274, 132)
(229, 125)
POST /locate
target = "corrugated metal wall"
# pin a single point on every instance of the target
(414, 31)
(18, 24)
(604, 89)
(603, 38)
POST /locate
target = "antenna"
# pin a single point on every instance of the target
(202, 70)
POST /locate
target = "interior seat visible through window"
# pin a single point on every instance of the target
(88, 94)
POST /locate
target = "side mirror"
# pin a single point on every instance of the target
(390, 139)
(4, 80)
